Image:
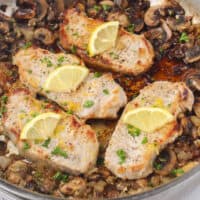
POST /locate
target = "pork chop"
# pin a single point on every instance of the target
(106, 95)
(133, 54)
(139, 152)
(72, 149)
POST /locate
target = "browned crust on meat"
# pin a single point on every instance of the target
(102, 62)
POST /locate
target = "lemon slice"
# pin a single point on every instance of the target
(103, 38)
(40, 127)
(148, 119)
(66, 78)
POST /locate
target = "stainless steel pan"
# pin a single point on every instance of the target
(183, 183)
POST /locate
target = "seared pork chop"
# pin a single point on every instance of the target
(36, 64)
(76, 139)
(140, 151)
(133, 54)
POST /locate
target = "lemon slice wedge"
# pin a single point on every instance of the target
(148, 119)
(66, 78)
(103, 38)
(40, 127)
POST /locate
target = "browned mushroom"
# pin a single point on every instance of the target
(4, 27)
(120, 17)
(121, 3)
(43, 7)
(192, 79)
(60, 6)
(192, 54)
(44, 35)
(161, 34)
(165, 162)
(27, 10)
(152, 16)
(179, 23)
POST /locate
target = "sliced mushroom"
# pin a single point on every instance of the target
(43, 7)
(161, 34)
(167, 161)
(192, 54)
(27, 32)
(152, 16)
(192, 79)
(120, 17)
(27, 10)
(121, 3)
(60, 6)
(4, 27)
(44, 35)
(179, 23)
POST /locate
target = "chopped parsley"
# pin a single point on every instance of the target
(59, 152)
(122, 156)
(47, 61)
(178, 171)
(30, 71)
(114, 55)
(157, 166)
(88, 104)
(131, 28)
(46, 143)
(61, 59)
(106, 91)
(184, 37)
(27, 45)
(69, 112)
(133, 131)
(75, 34)
(97, 8)
(3, 109)
(145, 140)
(105, 7)
(73, 49)
(4, 99)
(61, 177)
(26, 146)
(97, 74)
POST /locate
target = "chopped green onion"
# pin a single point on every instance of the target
(73, 49)
(97, 8)
(47, 61)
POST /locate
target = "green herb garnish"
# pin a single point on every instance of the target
(4, 99)
(61, 59)
(69, 112)
(105, 7)
(46, 143)
(176, 172)
(59, 152)
(97, 74)
(73, 49)
(145, 140)
(122, 156)
(157, 166)
(26, 146)
(131, 28)
(47, 61)
(88, 104)
(61, 177)
(133, 131)
(27, 45)
(184, 37)
(97, 8)
(106, 91)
